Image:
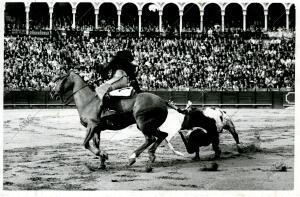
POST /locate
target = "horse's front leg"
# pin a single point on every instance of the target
(103, 155)
(93, 131)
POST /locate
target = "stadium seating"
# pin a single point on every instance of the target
(216, 63)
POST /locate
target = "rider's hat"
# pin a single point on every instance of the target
(125, 54)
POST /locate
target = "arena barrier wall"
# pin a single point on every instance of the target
(274, 99)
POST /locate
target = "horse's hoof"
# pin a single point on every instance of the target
(239, 149)
(102, 167)
(104, 156)
(148, 169)
(132, 161)
(213, 167)
(152, 158)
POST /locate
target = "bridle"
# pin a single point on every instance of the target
(68, 100)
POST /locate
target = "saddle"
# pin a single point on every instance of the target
(122, 93)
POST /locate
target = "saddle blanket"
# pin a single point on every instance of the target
(123, 92)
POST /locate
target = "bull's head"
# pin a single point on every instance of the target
(188, 105)
(192, 115)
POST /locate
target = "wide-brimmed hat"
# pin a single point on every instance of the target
(125, 54)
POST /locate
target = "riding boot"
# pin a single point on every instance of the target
(101, 91)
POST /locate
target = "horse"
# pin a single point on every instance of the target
(148, 111)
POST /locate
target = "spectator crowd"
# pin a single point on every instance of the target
(212, 62)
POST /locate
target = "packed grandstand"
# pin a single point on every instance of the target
(211, 55)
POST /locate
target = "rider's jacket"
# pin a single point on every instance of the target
(123, 74)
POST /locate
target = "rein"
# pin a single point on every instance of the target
(67, 101)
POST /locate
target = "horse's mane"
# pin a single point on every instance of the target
(89, 84)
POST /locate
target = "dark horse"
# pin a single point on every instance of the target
(147, 110)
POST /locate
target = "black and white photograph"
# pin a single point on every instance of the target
(148, 95)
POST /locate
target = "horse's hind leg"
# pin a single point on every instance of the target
(160, 137)
(96, 140)
(139, 150)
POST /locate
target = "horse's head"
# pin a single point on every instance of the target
(61, 84)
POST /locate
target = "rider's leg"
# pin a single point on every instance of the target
(112, 84)
(120, 83)
(102, 90)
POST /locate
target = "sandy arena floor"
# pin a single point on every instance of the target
(43, 151)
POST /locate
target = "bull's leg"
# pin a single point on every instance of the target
(148, 141)
(197, 156)
(215, 145)
(160, 137)
(188, 147)
(231, 128)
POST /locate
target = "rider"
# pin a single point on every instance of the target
(123, 74)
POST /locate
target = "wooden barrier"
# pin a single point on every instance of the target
(275, 99)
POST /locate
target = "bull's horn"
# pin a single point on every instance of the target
(188, 105)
